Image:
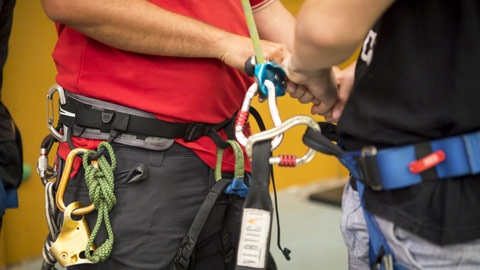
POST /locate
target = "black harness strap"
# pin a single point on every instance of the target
(182, 259)
(257, 201)
(75, 113)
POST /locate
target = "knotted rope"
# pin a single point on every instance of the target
(100, 183)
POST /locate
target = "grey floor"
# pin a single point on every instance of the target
(310, 229)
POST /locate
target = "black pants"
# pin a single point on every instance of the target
(158, 194)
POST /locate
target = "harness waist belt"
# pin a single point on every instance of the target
(76, 113)
(399, 167)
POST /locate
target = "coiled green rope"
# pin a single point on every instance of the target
(100, 183)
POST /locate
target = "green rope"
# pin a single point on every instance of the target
(252, 28)
(100, 185)
(239, 161)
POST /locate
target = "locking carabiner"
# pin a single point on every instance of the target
(63, 184)
(242, 116)
(50, 112)
(44, 170)
(284, 160)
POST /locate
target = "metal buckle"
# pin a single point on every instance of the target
(369, 167)
(50, 112)
(272, 133)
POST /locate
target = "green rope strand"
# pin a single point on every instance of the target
(252, 28)
(100, 183)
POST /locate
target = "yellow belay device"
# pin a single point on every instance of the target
(69, 247)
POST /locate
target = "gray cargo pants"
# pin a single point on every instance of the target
(158, 194)
(411, 251)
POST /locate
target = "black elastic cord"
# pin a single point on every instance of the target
(285, 251)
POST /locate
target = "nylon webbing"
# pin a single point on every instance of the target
(257, 213)
(239, 161)
(184, 253)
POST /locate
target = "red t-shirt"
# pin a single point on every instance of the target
(174, 89)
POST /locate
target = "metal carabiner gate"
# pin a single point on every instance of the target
(63, 184)
(285, 160)
(50, 112)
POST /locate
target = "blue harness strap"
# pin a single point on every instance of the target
(391, 165)
(400, 167)
(380, 255)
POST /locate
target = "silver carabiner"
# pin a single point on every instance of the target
(284, 160)
(50, 112)
(242, 117)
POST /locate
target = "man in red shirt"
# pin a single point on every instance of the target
(179, 62)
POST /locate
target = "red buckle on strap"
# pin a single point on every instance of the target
(427, 162)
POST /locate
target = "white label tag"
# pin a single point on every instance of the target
(252, 247)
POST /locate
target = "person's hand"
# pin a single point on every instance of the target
(345, 80)
(317, 86)
(238, 50)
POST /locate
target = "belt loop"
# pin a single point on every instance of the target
(422, 150)
(120, 122)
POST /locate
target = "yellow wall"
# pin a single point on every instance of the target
(29, 73)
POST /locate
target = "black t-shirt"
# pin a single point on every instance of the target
(418, 79)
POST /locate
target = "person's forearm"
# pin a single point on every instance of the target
(328, 32)
(140, 26)
(276, 23)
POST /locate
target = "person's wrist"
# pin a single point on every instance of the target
(296, 66)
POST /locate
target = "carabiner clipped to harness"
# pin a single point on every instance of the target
(285, 160)
(63, 184)
(69, 247)
(50, 112)
(44, 170)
